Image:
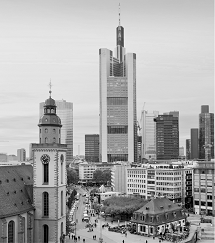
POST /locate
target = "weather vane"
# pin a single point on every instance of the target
(50, 86)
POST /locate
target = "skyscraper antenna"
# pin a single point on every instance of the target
(50, 86)
(119, 14)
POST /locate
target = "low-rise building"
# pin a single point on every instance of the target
(156, 217)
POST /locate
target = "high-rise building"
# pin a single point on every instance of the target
(65, 112)
(3, 157)
(21, 155)
(188, 148)
(118, 122)
(181, 151)
(167, 136)
(92, 147)
(148, 134)
(194, 143)
(206, 134)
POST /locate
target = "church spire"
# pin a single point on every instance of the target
(119, 14)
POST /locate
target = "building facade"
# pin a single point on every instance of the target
(206, 134)
(204, 188)
(92, 147)
(117, 91)
(21, 155)
(148, 132)
(155, 217)
(167, 136)
(155, 180)
(118, 178)
(65, 112)
(188, 149)
(194, 143)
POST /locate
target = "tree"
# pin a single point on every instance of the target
(72, 177)
(102, 177)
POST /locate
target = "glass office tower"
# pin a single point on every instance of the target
(65, 112)
(118, 122)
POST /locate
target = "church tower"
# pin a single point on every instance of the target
(49, 188)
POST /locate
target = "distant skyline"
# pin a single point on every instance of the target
(60, 40)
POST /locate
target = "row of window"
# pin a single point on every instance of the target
(209, 204)
(53, 130)
(169, 178)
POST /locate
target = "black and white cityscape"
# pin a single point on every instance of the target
(107, 122)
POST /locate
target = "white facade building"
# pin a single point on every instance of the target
(148, 133)
(21, 155)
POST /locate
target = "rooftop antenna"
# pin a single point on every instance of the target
(50, 86)
(119, 14)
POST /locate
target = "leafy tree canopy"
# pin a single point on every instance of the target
(102, 177)
(122, 205)
(72, 177)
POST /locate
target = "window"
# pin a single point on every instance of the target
(45, 233)
(11, 228)
(61, 203)
(46, 140)
(54, 130)
(61, 172)
(46, 130)
(45, 204)
(46, 173)
(54, 140)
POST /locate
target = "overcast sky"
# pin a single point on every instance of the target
(60, 40)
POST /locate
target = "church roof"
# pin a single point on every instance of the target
(16, 190)
(50, 102)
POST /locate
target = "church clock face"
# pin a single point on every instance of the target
(45, 158)
(61, 158)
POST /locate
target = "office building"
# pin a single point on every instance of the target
(181, 151)
(167, 136)
(65, 112)
(204, 188)
(118, 122)
(21, 155)
(188, 149)
(154, 180)
(3, 157)
(118, 178)
(92, 147)
(194, 143)
(206, 134)
(148, 132)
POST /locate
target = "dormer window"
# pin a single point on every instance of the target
(167, 216)
(174, 214)
(151, 219)
(157, 218)
(143, 217)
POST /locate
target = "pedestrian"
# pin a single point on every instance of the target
(72, 237)
(69, 235)
(123, 241)
(78, 237)
(95, 237)
(125, 234)
(83, 240)
(146, 241)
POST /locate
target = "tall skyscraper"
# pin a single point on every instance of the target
(65, 112)
(21, 155)
(167, 136)
(188, 148)
(118, 122)
(206, 134)
(148, 134)
(92, 147)
(194, 143)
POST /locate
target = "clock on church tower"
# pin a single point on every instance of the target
(49, 187)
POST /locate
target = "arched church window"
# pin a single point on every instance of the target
(61, 203)
(11, 230)
(46, 173)
(54, 130)
(45, 204)
(54, 140)
(46, 130)
(45, 233)
(46, 140)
